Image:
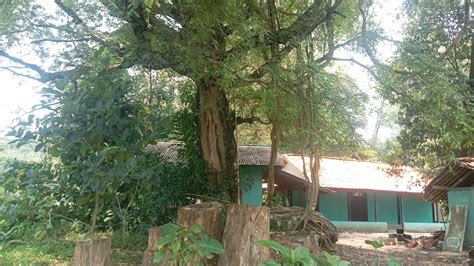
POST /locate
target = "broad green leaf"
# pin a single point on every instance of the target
(275, 246)
(375, 243)
(270, 262)
(394, 262)
(209, 245)
(158, 256)
(196, 228)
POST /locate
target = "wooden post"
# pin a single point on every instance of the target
(244, 225)
(93, 252)
(208, 215)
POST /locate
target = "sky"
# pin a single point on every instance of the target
(18, 94)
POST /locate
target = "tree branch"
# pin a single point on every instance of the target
(250, 120)
(369, 50)
(371, 72)
(75, 18)
(60, 40)
(79, 21)
(292, 36)
(44, 76)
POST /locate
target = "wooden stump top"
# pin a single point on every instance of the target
(204, 206)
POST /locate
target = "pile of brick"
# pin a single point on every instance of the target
(427, 242)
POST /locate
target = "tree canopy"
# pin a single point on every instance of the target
(234, 62)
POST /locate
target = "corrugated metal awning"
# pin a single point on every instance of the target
(461, 174)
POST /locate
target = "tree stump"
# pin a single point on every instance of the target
(153, 236)
(93, 252)
(208, 215)
(245, 225)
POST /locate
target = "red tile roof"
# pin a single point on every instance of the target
(360, 175)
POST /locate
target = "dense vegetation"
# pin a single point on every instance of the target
(120, 75)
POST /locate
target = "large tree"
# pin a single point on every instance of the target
(222, 46)
(431, 80)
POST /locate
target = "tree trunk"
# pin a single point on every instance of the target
(93, 252)
(216, 126)
(245, 225)
(207, 215)
(271, 164)
(312, 192)
(154, 234)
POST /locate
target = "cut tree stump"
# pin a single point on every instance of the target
(208, 215)
(244, 225)
(153, 236)
(93, 252)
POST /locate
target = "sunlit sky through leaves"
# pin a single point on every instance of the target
(19, 94)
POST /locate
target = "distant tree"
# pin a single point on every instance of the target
(430, 82)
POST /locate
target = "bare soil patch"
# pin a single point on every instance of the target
(351, 247)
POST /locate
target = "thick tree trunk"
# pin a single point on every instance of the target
(245, 225)
(207, 215)
(216, 126)
(154, 234)
(93, 252)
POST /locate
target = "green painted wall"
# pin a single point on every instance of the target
(251, 184)
(416, 211)
(298, 198)
(465, 197)
(371, 207)
(387, 208)
(334, 206)
(381, 207)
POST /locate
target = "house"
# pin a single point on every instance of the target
(455, 184)
(350, 190)
(361, 191)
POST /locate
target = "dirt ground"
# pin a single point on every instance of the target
(351, 247)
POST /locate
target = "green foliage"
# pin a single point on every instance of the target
(376, 244)
(330, 260)
(394, 262)
(433, 93)
(186, 246)
(96, 136)
(298, 256)
(28, 194)
(58, 249)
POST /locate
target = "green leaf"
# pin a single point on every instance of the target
(303, 255)
(159, 256)
(165, 240)
(394, 262)
(196, 228)
(270, 262)
(54, 151)
(39, 146)
(275, 246)
(375, 243)
(168, 228)
(208, 245)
